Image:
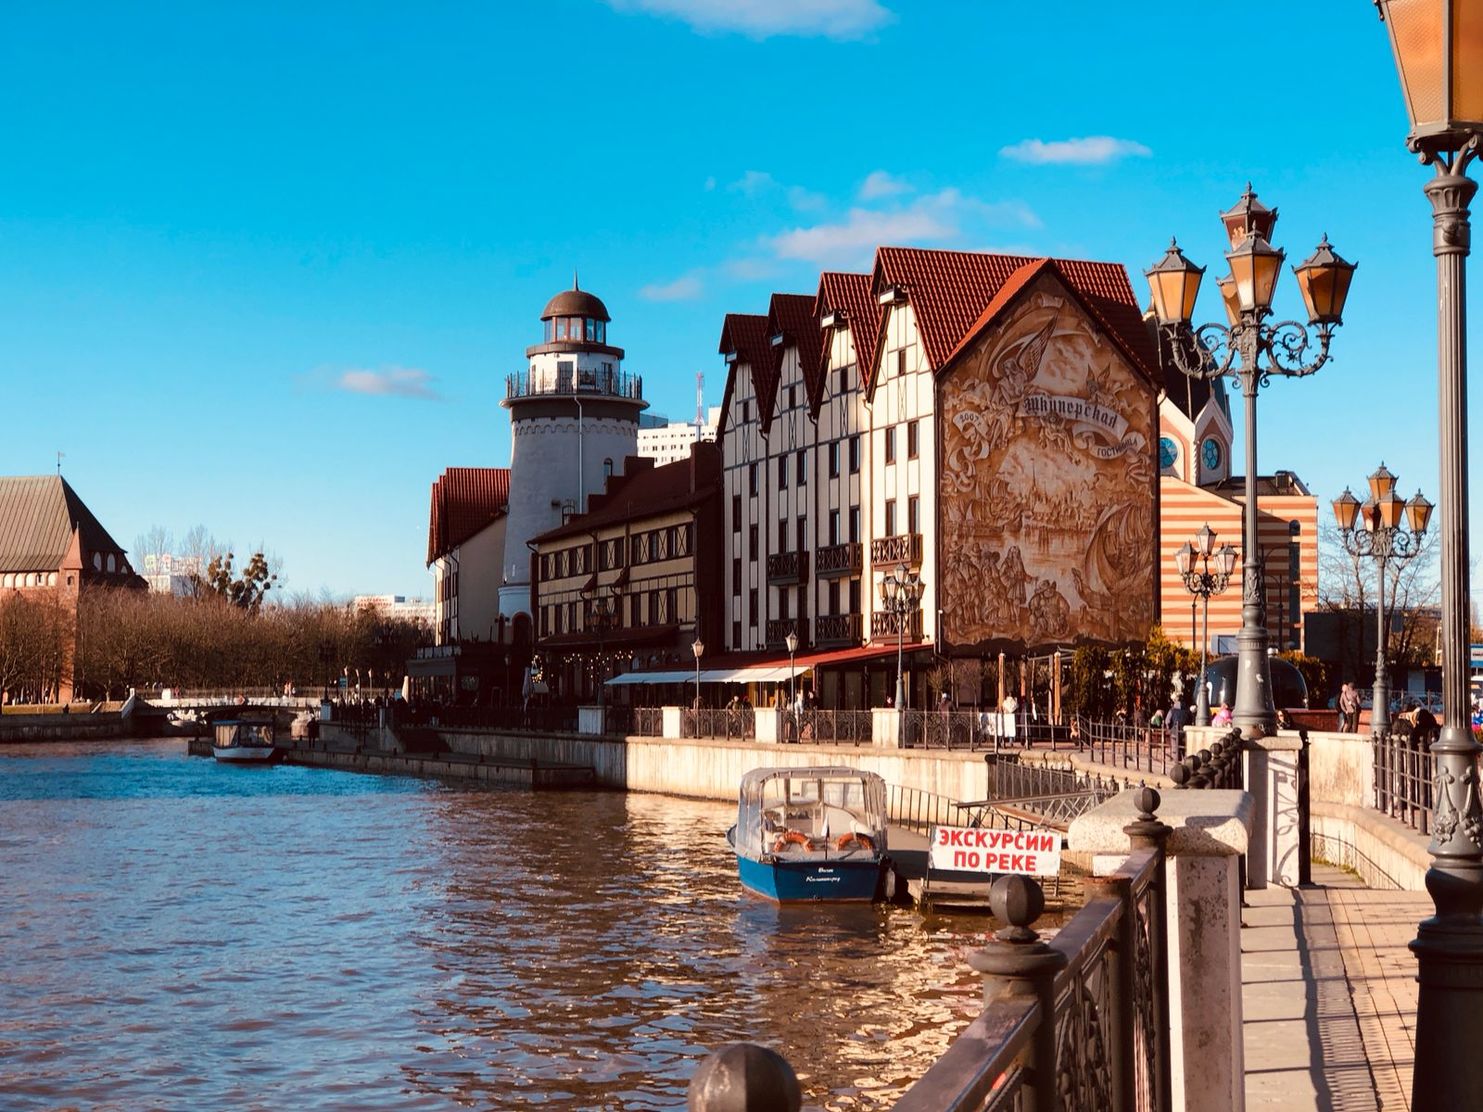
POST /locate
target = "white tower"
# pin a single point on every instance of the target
(573, 418)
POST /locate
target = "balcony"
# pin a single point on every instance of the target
(784, 568)
(582, 383)
(837, 629)
(884, 625)
(903, 548)
(779, 628)
(839, 559)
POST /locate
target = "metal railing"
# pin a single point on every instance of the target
(730, 723)
(540, 719)
(1144, 748)
(617, 384)
(787, 567)
(885, 623)
(1011, 778)
(828, 727)
(1403, 779)
(919, 811)
(1077, 1022)
(837, 629)
(779, 628)
(648, 721)
(902, 548)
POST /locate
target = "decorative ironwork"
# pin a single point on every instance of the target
(600, 383)
(835, 560)
(1083, 1068)
(884, 624)
(779, 628)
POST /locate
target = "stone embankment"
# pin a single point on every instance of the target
(19, 729)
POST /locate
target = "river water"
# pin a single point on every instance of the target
(176, 933)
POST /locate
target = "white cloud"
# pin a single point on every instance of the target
(753, 182)
(806, 200)
(1092, 150)
(684, 288)
(881, 184)
(750, 269)
(835, 19)
(710, 183)
(403, 382)
(938, 218)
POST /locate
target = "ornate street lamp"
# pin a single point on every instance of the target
(600, 619)
(1440, 58)
(1251, 351)
(1376, 529)
(900, 593)
(698, 648)
(1193, 560)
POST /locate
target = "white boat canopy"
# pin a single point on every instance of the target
(756, 673)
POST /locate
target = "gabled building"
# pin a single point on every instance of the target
(52, 548)
(466, 526)
(988, 421)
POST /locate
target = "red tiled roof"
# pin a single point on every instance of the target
(745, 336)
(465, 500)
(648, 492)
(792, 314)
(39, 515)
(850, 293)
(950, 290)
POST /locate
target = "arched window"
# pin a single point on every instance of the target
(9, 580)
(97, 561)
(112, 566)
(51, 579)
(607, 468)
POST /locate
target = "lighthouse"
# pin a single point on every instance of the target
(574, 416)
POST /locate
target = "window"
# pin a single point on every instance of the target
(736, 575)
(854, 596)
(854, 524)
(800, 467)
(911, 440)
(890, 517)
(736, 513)
(782, 534)
(834, 596)
(751, 542)
(635, 610)
(842, 383)
(607, 468)
(746, 410)
(752, 607)
(735, 636)
(792, 397)
(913, 514)
(672, 604)
(782, 472)
(591, 330)
(834, 459)
(784, 594)
(801, 534)
(833, 526)
(854, 454)
(901, 362)
(889, 435)
(752, 479)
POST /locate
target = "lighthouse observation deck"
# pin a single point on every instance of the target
(574, 381)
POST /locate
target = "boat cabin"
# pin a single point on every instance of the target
(811, 814)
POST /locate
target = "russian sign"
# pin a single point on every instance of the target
(969, 849)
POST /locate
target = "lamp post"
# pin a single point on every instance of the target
(1201, 582)
(698, 648)
(1251, 351)
(900, 593)
(600, 620)
(1382, 536)
(1440, 60)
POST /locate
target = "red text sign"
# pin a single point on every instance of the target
(974, 850)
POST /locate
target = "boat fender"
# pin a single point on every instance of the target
(846, 841)
(790, 838)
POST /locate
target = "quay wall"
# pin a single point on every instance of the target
(21, 728)
(704, 768)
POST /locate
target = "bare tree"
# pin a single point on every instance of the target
(1412, 594)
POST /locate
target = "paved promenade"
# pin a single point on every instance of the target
(1329, 993)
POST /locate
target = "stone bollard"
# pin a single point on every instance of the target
(744, 1077)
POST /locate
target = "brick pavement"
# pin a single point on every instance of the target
(1329, 995)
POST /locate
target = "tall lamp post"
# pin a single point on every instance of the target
(792, 642)
(600, 620)
(1375, 529)
(1250, 350)
(1440, 59)
(900, 593)
(698, 648)
(1193, 560)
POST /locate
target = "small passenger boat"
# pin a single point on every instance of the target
(806, 834)
(242, 742)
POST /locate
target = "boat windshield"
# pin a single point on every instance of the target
(820, 809)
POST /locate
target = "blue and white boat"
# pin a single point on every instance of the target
(805, 834)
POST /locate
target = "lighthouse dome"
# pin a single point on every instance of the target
(576, 303)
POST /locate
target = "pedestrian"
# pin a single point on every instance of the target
(1174, 722)
(1222, 716)
(1348, 709)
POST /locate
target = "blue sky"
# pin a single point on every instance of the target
(265, 267)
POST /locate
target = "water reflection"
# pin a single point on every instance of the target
(188, 935)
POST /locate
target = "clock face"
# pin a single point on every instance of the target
(1210, 453)
(1168, 453)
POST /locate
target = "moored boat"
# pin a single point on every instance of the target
(239, 741)
(809, 834)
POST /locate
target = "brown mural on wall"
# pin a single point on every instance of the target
(1048, 495)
